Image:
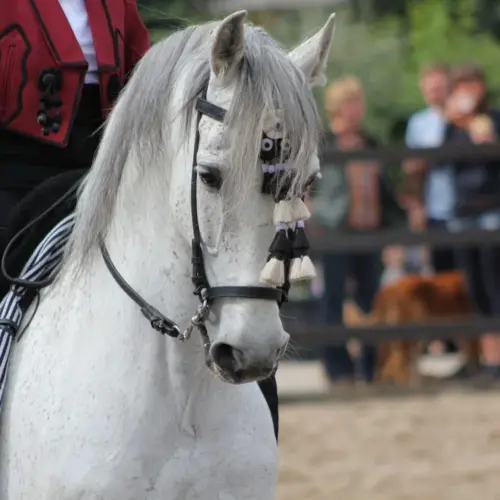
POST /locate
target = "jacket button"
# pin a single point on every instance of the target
(41, 118)
(50, 78)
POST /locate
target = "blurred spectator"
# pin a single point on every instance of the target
(350, 197)
(426, 129)
(477, 185)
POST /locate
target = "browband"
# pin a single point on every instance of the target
(211, 110)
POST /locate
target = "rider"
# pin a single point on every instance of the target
(62, 65)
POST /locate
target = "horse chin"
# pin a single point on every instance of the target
(237, 377)
(229, 378)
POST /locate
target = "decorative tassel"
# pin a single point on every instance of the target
(290, 242)
(283, 212)
(295, 269)
(307, 271)
(273, 272)
(281, 247)
(299, 210)
(302, 267)
(300, 242)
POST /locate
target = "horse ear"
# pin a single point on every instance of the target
(312, 55)
(229, 44)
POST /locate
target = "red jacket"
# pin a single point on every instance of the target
(36, 40)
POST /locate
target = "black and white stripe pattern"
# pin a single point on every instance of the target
(43, 264)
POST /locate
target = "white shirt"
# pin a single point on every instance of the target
(76, 13)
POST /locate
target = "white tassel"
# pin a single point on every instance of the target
(273, 272)
(299, 210)
(295, 269)
(282, 213)
(307, 271)
(302, 269)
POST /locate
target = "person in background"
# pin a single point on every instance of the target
(348, 198)
(426, 129)
(62, 65)
(477, 192)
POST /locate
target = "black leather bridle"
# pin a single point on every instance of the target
(202, 288)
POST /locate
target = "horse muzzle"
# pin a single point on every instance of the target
(237, 366)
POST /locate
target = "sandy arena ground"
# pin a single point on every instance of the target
(444, 447)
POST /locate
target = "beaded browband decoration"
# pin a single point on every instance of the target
(290, 242)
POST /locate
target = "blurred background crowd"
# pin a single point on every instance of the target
(454, 196)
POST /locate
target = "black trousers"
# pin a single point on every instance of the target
(337, 268)
(443, 259)
(25, 163)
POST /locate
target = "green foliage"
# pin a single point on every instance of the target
(449, 32)
(386, 54)
(166, 16)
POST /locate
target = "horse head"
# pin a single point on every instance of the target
(270, 111)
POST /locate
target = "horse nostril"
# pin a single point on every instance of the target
(227, 357)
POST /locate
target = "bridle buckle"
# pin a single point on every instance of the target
(199, 318)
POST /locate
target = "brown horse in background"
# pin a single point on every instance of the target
(415, 299)
(421, 299)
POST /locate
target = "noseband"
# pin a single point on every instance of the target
(202, 289)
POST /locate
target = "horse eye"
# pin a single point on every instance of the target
(211, 178)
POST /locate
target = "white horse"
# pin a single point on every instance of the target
(100, 406)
